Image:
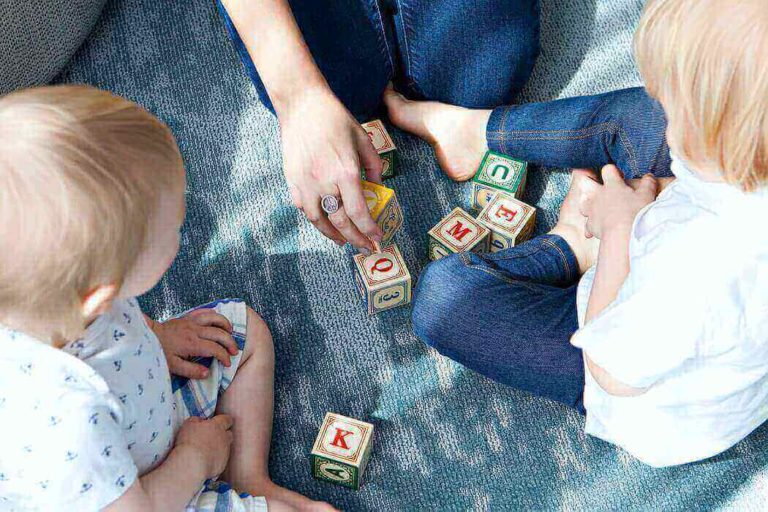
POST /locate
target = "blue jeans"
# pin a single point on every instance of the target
(508, 315)
(625, 127)
(474, 53)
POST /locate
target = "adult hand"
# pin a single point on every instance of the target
(324, 149)
(616, 203)
(200, 333)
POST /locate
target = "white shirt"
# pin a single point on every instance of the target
(81, 423)
(690, 323)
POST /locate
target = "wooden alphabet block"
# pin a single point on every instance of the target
(341, 450)
(384, 145)
(496, 173)
(457, 232)
(383, 279)
(384, 208)
(511, 221)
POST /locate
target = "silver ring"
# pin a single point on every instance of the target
(330, 204)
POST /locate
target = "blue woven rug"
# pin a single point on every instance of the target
(446, 438)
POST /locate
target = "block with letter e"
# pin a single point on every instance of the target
(457, 232)
(384, 146)
(383, 279)
(510, 221)
(384, 208)
(497, 173)
(341, 450)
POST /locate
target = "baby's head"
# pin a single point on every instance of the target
(705, 61)
(91, 202)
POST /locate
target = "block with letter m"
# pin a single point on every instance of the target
(457, 232)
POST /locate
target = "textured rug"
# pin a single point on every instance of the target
(446, 438)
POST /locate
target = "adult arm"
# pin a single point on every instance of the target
(324, 147)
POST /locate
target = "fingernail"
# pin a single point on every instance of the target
(365, 251)
(205, 373)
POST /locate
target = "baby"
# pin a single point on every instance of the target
(92, 201)
(664, 342)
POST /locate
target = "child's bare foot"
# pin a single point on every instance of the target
(280, 499)
(571, 225)
(456, 133)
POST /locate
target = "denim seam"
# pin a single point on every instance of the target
(607, 127)
(569, 269)
(404, 26)
(495, 273)
(384, 37)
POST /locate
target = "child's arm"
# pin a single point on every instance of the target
(611, 213)
(201, 333)
(201, 451)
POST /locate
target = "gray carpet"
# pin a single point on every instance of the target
(446, 438)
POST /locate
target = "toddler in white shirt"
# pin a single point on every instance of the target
(92, 201)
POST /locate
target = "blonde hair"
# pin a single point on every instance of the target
(81, 173)
(704, 60)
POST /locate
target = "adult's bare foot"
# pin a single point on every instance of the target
(457, 134)
(571, 225)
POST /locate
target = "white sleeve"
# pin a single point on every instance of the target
(71, 454)
(655, 324)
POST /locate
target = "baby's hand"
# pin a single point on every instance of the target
(210, 439)
(615, 203)
(201, 333)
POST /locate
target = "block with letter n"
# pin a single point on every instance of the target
(384, 146)
(457, 232)
(510, 221)
(497, 173)
(341, 450)
(383, 279)
(384, 208)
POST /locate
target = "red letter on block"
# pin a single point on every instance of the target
(509, 215)
(382, 265)
(457, 232)
(339, 439)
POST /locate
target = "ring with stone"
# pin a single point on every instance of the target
(330, 204)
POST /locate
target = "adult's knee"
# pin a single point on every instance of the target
(440, 296)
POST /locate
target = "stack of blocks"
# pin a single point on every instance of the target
(384, 146)
(341, 450)
(503, 222)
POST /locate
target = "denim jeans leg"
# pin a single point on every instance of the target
(508, 316)
(348, 43)
(473, 53)
(626, 128)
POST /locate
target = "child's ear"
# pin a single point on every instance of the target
(98, 300)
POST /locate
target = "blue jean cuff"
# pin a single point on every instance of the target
(564, 251)
(498, 125)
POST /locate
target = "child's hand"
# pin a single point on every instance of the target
(210, 439)
(201, 333)
(615, 204)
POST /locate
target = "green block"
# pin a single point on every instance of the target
(497, 173)
(437, 250)
(335, 472)
(390, 161)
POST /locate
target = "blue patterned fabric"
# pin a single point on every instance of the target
(446, 439)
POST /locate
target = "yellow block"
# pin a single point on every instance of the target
(376, 197)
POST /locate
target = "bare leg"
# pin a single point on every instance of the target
(249, 400)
